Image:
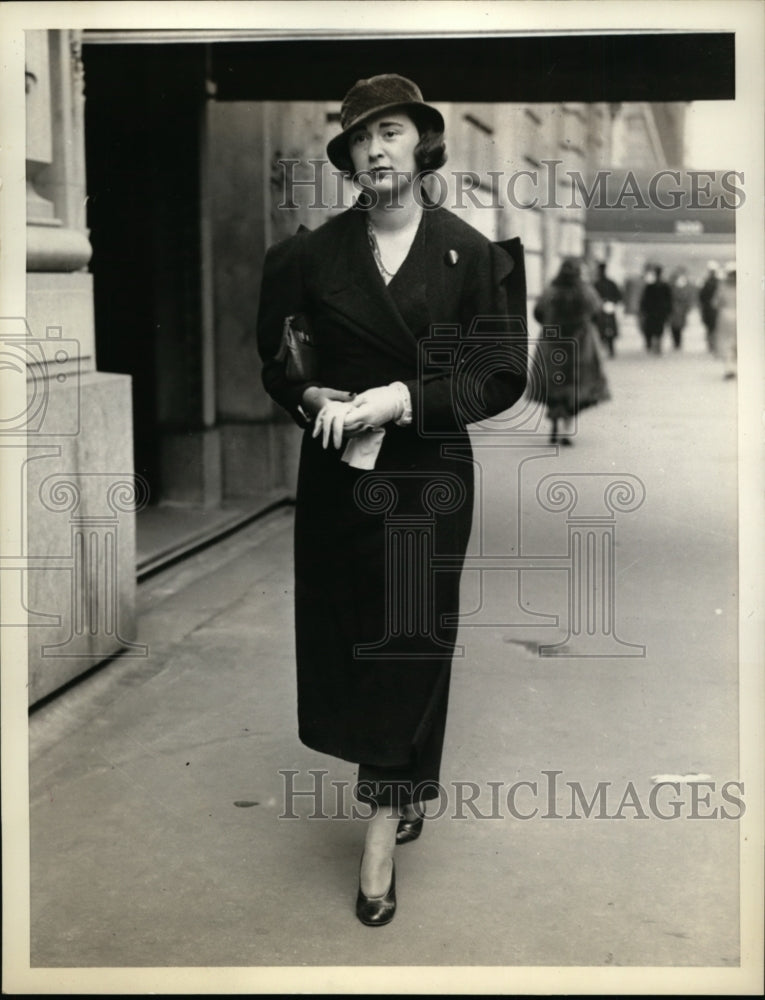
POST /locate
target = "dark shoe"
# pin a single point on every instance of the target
(409, 829)
(553, 438)
(566, 441)
(375, 911)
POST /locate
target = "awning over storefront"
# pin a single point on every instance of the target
(486, 67)
(671, 205)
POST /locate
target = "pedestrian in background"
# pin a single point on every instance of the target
(372, 283)
(708, 303)
(682, 300)
(726, 322)
(610, 296)
(655, 308)
(567, 373)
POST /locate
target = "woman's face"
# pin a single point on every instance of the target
(382, 151)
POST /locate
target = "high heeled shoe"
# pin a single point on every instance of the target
(409, 829)
(376, 911)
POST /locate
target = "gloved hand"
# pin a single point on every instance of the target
(315, 396)
(375, 407)
(330, 421)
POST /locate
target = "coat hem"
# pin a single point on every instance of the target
(354, 756)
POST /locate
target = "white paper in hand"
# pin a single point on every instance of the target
(361, 452)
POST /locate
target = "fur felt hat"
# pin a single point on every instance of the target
(369, 98)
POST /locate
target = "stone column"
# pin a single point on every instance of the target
(58, 249)
(82, 424)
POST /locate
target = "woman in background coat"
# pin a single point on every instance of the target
(682, 301)
(568, 375)
(373, 652)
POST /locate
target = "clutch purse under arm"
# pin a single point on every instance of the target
(297, 351)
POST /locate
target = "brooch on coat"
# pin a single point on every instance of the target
(451, 258)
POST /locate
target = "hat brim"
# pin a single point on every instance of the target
(424, 114)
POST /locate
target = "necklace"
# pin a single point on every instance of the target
(387, 275)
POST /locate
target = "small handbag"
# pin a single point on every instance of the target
(297, 351)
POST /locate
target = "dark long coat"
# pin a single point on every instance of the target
(577, 381)
(655, 308)
(373, 649)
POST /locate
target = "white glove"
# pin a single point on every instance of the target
(330, 421)
(376, 407)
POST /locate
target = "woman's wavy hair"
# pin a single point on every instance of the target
(429, 153)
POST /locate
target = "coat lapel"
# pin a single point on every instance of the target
(436, 272)
(409, 287)
(357, 292)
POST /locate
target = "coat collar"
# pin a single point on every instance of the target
(357, 291)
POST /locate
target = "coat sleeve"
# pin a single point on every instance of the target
(488, 374)
(540, 309)
(281, 295)
(594, 301)
(667, 299)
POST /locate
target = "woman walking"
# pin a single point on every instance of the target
(373, 648)
(610, 297)
(654, 309)
(682, 301)
(567, 373)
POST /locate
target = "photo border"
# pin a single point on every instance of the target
(312, 20)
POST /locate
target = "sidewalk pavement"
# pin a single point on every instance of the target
(156, 790)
